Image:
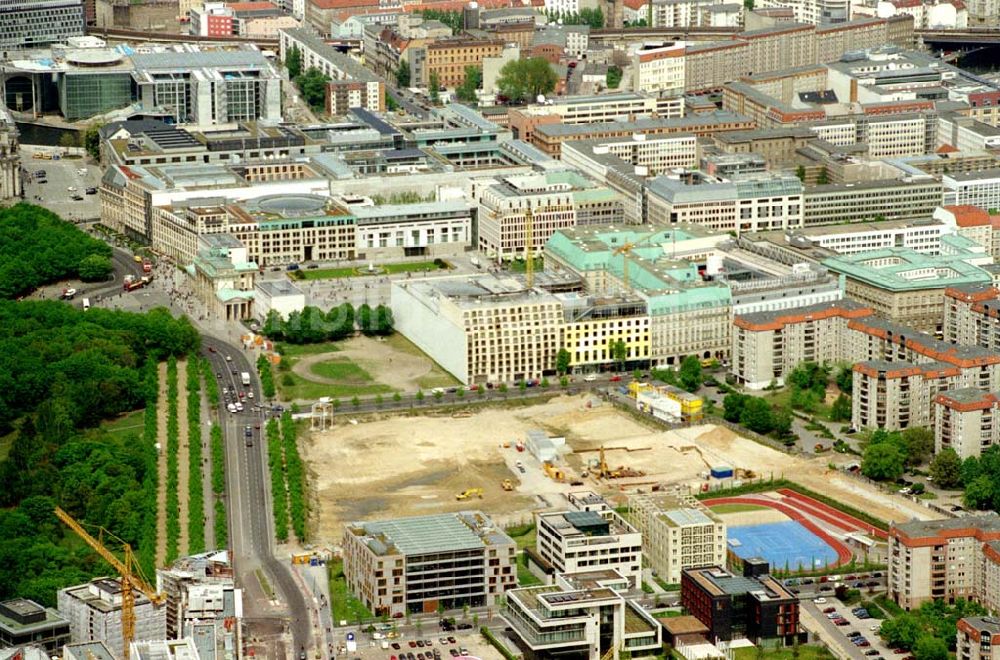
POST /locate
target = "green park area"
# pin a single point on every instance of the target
(359, 271)
(736, 508)
(343, 605)
(802, 652)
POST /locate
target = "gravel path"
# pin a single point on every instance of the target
(161, 464)
(183, 458)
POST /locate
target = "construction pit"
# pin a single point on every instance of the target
(390, 466)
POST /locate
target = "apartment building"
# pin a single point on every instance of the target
(753, 605)
(35, 23)
(886, 199)
(586, 615)
(679, 13)
(943, 560)
(202, 86)
(752, 204)
(980, 189)
(484, 329)
(418, 564)
(550, 137)
(907, 287)
(768, 345)
(899, 394)
(974, 639)
(677, 534)
(659, 68)
(94, 612)
(557, 199)
(970, 315)
(448, 58)
(966, 420)
(351, 84)
(814, 12)
(580, 541)
(24, 622)
(595, 323)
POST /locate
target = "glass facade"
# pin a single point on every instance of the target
(82, 96)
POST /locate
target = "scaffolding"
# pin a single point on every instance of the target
(322, 415)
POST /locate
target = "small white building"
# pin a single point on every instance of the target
(281, 295)
(573, 541)
(541, 446)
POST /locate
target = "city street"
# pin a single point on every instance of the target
(61, 175)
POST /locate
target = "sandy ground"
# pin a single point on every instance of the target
(373, 356)
(398, 466)
(744, 518)
(161, 465)
(183, 455)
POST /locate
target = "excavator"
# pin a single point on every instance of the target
(604, 472)
(470, 493)
(507, 485)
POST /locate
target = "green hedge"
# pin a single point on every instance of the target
(278, 492)
(211, 385)
(266, 377)
(196, 492)
(295, 476)
(774, 484)
(219, 486)
(173, 430)
(497, 644)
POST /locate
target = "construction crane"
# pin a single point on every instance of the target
(128, 569)
(626, 252)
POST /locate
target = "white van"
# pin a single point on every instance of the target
(86, 304)
(231, 408)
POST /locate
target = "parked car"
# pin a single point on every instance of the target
(827, 610)
(819, 601)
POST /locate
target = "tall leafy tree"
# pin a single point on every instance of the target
(525, 79)
(946, 468)
(690, 373)
(473, 80)
(294, 62)
(312, 84)
(403, 74)
(435, 88)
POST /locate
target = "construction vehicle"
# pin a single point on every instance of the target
(507, 485)
(469, 493)
(128, 569)
(552, 472)
(519, 446)
(620, 472)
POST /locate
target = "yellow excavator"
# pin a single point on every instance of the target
(552, 472)
(507, 484)
(469, 493)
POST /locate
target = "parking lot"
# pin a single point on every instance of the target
(428, 644)
(839, 625)
(60, 176)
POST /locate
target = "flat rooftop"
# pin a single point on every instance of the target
(446, 532)
(904, 269)
(989, 523)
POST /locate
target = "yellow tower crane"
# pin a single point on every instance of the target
(128, 569)
(626, 252)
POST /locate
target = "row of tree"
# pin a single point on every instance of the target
(928, 632)
(887, 454)
(756, 414)
(219, 486)
(266, 377)
(173, 448)
(279, 496)
(196, 492)
(311, 82)
(592, 17)
(312, 325)
(37, 247)
(150, 484)
(294, 477)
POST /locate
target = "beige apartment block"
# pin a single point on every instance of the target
(897, 395)
(677, 533)
(972, 315)
(966, 420)
(978, 638)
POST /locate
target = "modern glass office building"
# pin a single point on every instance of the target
(89, 94)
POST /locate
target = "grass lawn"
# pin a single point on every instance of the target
(343, 605)
(412, 267)
(736, 508)
(437, 377)
(351, 379)
(292, 351)
(131, 422)
(806, 652)
(5, 444)
(783, 397)
(355, 271)
(526, 540)
(326, 273)
(525, 578)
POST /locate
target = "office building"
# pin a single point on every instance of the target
(922, 236)
(447, 59)
(165, 649)
(24, 622)
(659, 68)
(416, 565)
(199, 590)
(602, 108)
(768, 345)
(758, 203)
(980, 189)
(197, 85)
(966, 420)
(481, 329)
(753, 605)
(557, 199)
(351, 84)
(34, 23)
(585, 615)
(886, 199)
(944, 560)
(677, 534)
(94, 612)
(907, 287)
(582, 541)
(87, 651)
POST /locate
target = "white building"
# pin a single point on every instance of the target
(279, 295)
(94, 612)
(583, 614)
(923, 236)
(980, 189)
(679, 13)
(659, 68)
(814, 12)
(574, 541)
(677, 533)
(165, 649)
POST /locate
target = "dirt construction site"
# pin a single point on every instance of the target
(393, 466)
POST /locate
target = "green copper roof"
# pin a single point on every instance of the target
(903, 269)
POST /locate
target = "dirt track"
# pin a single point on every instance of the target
(183, 469)
(161, 466)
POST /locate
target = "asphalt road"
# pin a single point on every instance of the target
(251, 534)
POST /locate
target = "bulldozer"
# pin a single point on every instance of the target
(507, 484)
(552, 472)
(469, 493)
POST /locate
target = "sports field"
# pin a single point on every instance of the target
(783, 544)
